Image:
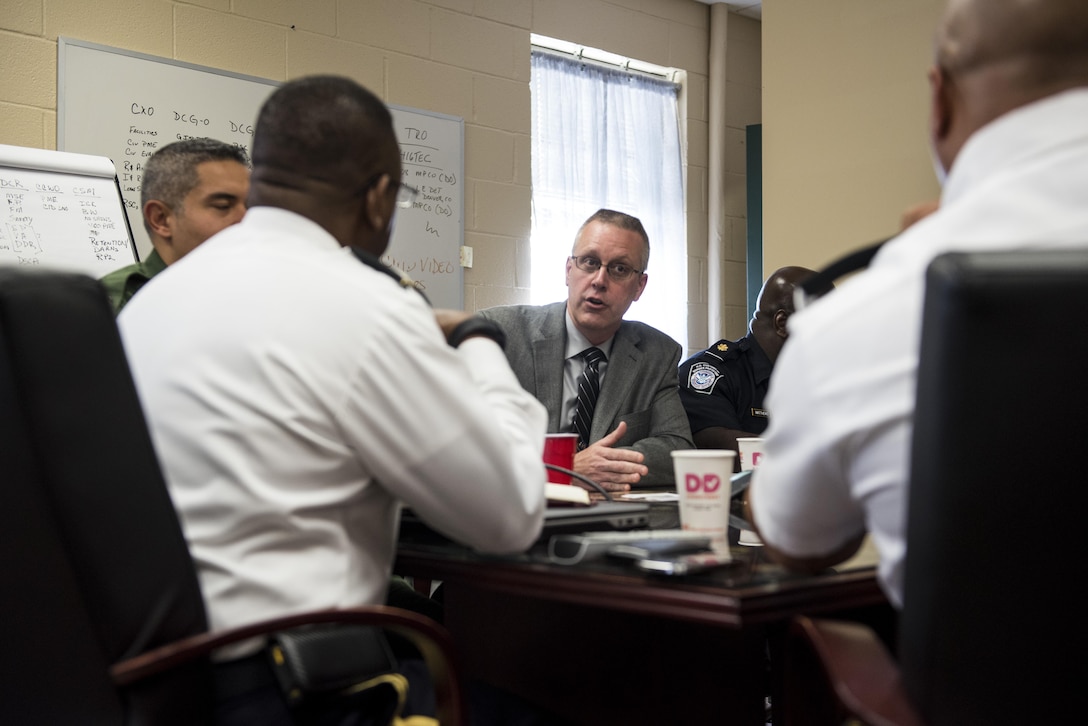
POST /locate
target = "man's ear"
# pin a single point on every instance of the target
(160, 218)
(780, 318)
(940, 105)
(377, 210)
(947, 123)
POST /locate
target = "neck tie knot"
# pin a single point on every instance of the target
(593, 356)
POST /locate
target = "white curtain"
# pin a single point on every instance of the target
(608, 138)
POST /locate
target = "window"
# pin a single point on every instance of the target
(606, 137)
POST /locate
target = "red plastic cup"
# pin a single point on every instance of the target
(559, 451)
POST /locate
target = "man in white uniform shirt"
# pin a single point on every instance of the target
(1009, 125)
(297, 396)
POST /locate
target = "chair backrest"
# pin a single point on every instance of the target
(991, 630)
(95, 563)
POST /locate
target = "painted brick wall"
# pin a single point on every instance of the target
(467, 58)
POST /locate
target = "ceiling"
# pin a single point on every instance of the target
(747, 8)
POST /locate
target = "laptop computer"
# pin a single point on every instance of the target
(597, 516)
(564, 519)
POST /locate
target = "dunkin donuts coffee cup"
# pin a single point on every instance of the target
(703, 486)
(751, 452)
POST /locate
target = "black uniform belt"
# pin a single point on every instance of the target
(237, 677)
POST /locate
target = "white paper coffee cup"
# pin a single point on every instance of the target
(750, 451)
(703, 486)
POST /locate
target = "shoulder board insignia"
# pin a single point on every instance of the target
(722, 347)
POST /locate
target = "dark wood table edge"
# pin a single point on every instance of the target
(710, 604)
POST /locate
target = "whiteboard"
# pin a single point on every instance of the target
(124, 105)
(62, 210)
(427, 239)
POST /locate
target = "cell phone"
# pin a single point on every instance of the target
(686, 564)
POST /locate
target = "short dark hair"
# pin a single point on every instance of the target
(326, 128)
(623, 221)
(170, 173)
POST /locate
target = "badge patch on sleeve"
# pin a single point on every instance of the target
(702, 377)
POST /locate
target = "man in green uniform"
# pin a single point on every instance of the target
(191, 189)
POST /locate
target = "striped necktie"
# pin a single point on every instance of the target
(589, 387)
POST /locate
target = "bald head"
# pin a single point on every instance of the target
(993, 56)
(777, 291)
(775, 306)
(1046, 39)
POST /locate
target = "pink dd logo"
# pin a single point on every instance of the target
(708, 484)
(756, 456)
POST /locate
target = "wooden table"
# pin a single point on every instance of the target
(601, 643)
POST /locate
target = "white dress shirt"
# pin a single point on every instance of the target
(837, 450)
(296, 397)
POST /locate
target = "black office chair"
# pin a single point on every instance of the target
(992, 630)
(101, 615)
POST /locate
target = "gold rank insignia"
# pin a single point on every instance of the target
(723, 347)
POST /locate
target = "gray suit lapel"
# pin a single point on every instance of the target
(549, 345)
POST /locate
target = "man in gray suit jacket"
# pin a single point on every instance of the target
(638, 418)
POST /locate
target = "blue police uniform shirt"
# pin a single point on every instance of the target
(725, 386)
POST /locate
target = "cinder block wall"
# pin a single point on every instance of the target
(845, 133)
(467, 58)
(743, 107)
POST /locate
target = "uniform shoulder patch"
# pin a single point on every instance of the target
(702, 377)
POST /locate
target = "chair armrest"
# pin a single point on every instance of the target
(863, 675)
(432, 640)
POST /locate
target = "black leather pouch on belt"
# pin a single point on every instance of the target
(323, 660)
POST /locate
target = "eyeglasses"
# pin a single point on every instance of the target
(618, 271)
(406, 195)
